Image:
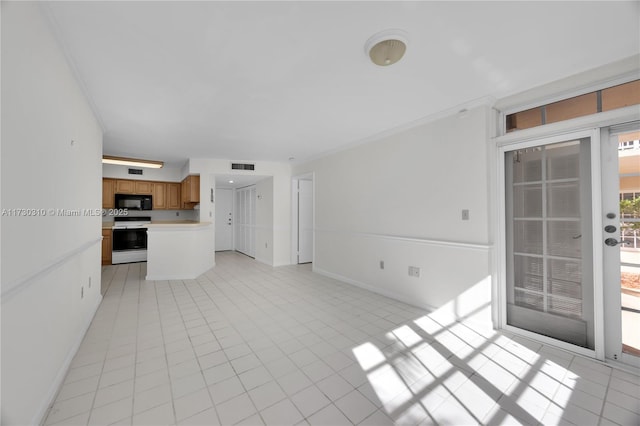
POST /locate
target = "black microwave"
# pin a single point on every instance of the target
(134, 202)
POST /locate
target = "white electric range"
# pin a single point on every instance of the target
(130, 239)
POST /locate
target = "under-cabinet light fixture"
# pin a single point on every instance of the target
(124, 161)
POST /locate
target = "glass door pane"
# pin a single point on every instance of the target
(620, 155)
(549, 244)
(629, 176)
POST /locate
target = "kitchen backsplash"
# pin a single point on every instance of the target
(162, 215)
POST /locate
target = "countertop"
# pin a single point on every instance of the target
(177, 223)
(109, 225)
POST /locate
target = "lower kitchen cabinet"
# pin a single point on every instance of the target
(106, 246)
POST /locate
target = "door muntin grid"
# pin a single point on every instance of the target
(548, 211)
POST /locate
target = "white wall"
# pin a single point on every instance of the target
(278, 245)
(46, 260)
(399, 200)
(264, 221)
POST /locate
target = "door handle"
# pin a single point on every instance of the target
(612, 242)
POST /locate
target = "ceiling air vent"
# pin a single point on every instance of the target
(242, 166)
(135, 171)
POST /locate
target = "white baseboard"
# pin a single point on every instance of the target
(41, 413)
(263, 261)
(392, 295)
(397, 296)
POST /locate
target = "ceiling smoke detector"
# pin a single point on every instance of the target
(386, 47)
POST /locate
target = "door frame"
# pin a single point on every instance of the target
(612, 307)
(294, 215)
(597, 121)
(502, 149)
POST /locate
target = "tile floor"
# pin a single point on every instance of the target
(249, 344)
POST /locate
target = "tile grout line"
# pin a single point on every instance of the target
(104, 361)
(164, 349)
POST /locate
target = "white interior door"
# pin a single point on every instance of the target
(224, 219)
(239, 228)
(305, 221)
(251, 206)
(621, 238)
(549, 284)
(245, 220)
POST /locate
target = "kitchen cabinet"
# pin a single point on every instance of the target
(143, 187)
(124, 186)
(190, 191)
(106, 246)
(159, 196)
(108, 192)
(166, 195)
(127, 186)
(173, 196)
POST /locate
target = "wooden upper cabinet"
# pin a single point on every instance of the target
(127, 186)
(166, 195)
(194, 187)
(173, 196)
(108, 193)
(190, 188)
(159, 195)
(124, 186)
(143, 187)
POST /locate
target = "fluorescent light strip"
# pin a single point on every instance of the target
(123, 161)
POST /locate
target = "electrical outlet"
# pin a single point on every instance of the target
(465, 214)
(82, 292)
(382, 264)
(89, 282)
(177, 213)
(265, 245)
(414, 271)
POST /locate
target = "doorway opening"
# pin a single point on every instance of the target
(235, 212)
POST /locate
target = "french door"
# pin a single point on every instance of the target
(621, 236)
(551, 273)
(572, 241)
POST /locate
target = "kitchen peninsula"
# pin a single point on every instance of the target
(179, 250)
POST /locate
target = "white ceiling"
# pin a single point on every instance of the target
(274, 80)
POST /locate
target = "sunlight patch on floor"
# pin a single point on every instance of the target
(451, 374)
